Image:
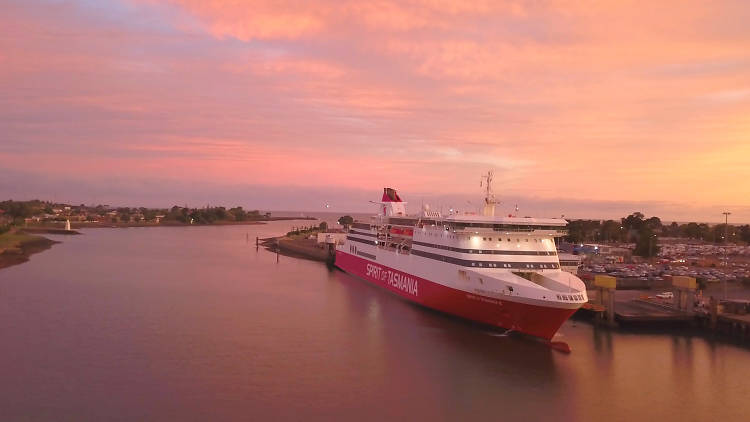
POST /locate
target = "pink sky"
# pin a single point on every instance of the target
(587, 109)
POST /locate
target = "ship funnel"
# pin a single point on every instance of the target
(391, 204)
(390, 195)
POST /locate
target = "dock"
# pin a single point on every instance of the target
(737, 326)
(726, 317)
(300, 247)
(304, 248)
(644, 311)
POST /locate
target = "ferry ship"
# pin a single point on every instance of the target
(502, 271)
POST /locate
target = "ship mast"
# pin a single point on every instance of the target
(489, 197)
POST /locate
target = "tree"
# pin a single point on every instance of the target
(646, 243)
(632, 224)
(238, 213)
(745, 233)
(584, 230)
(16, 209)
(653, 223)
(346, 220)
(610, 230)
(634, 221)
(690, 230)
(704, 231)
(149, 214)
(673, 230)
(221, 213)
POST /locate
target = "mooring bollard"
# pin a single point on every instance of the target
(606, 286)
(684, 293)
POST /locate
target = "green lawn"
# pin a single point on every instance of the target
(14, 240)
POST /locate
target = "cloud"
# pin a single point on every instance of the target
(584, 101)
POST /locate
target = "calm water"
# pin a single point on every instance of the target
(195, 324)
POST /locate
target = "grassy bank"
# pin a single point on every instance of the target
(16, 247)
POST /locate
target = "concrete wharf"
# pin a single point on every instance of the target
(732, 320)
(639, 310)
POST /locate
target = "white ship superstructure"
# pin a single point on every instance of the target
(502, 271)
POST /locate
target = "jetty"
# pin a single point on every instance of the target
(319, 246)
(642, 310)
(726, 317)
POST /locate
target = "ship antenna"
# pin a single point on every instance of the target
(489, 197)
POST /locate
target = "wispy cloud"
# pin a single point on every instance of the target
(589, 101)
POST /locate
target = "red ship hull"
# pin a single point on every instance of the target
(538, 321)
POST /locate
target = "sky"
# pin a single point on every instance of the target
(588, 109)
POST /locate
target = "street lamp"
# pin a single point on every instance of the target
(650, 246)
(726, 259)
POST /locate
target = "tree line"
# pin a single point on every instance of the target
(209, 215)
(17, 211)
(642, 231)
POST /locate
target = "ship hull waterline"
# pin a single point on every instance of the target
(537, 321)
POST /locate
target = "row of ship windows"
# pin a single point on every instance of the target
(486, 239)
(450, 236)
(570, 297)
(493, 265)
(500, 239)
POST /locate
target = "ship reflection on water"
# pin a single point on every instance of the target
(194, 323)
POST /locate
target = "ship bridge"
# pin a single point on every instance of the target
(480, 223)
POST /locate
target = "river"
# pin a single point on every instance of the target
(195, 323)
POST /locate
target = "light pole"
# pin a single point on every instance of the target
(651, 239)
(726, 259)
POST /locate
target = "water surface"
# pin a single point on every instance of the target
(194, 323)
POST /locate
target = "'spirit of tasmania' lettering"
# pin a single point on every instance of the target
(396, 280)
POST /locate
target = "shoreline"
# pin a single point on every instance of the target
(21, 249)
(18, 246)
(51, 230)
(56, 229)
